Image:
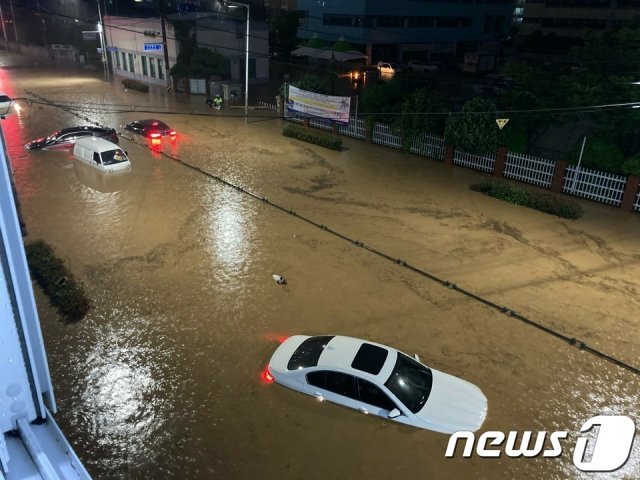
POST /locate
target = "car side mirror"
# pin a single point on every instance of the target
(395, 413)
(126, 153)
(415, 355)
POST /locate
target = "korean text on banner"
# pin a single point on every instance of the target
(318, 105)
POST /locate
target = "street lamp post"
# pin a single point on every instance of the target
(103, 45)
(246, 65)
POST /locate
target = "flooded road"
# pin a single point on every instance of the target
(161, 379)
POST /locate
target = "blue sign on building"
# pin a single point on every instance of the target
(152, 47)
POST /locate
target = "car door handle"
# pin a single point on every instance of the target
(363, 410)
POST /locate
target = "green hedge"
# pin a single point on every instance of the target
(544, 202)
(306, 135)
(135, 85)
(56, 280)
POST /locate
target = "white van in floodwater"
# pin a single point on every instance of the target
(101, 154)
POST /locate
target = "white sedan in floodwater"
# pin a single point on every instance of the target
(379, 380)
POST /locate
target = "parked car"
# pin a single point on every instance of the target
(420, 66)
(377, 379)
(151, 128)
(67, 137)
(386, 68)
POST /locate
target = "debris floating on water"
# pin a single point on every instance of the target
(279, 279)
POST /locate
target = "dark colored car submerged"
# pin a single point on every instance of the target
(151, 128)
(66, 138)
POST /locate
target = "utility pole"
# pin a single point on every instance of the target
(103, 45)
(4, 29)
(164, 42)
(15, 28)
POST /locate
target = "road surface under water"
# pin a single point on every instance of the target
(161, 379)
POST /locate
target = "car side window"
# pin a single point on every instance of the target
(96, 157)
(317, 379)
(341, 383)
(372, 395)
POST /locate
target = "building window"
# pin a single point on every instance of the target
(160, 69)
(145, 70)
(152, 68)
(131, 66)
(390, 22)
(117, 55)
(337, 19)
(124, 61)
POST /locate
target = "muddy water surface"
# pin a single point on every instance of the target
(161, 380)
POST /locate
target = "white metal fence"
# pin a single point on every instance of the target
(321, 123)
(478, 162)
(293, 116)
(595, 185)
(355, 128)
(586, 183)
(383, 135)
(535, 170)
(429, 146)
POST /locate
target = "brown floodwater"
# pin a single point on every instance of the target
(162, 378)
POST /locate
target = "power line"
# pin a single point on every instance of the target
(508, 312)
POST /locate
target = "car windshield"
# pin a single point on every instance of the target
(53, 136)
(113, 156)
(411, 382)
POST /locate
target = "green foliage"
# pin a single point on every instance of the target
(600, 72)
(313, 83)
(283, 30)
(411, 123)
(632, 166)
(598, 154)
(513, 136)
(310, 83)
(135, 85)
(329, 141)
(475, 129)
(517, 195)
(56, 280)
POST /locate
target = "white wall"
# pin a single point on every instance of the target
(129, 36)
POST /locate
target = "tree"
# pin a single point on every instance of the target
(600, 155)
(415, 116)
(201, 63)
(474, 130)
(283, 30)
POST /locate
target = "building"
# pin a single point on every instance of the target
(574, 20)
(136, 49)
(225, 33)
(409, 29)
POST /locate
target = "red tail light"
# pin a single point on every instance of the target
(155, 135)
(266, 376)
(172, 133)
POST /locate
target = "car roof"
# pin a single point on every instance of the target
(341, 351)
(149, 122)
(82, 128)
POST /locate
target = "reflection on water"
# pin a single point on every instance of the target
(229, 230)
(103, 182)
(161, 380)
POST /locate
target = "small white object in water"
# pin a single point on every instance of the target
(279, 280)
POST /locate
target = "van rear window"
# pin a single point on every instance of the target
(308, 353)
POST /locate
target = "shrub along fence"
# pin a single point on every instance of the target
(615, 190)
